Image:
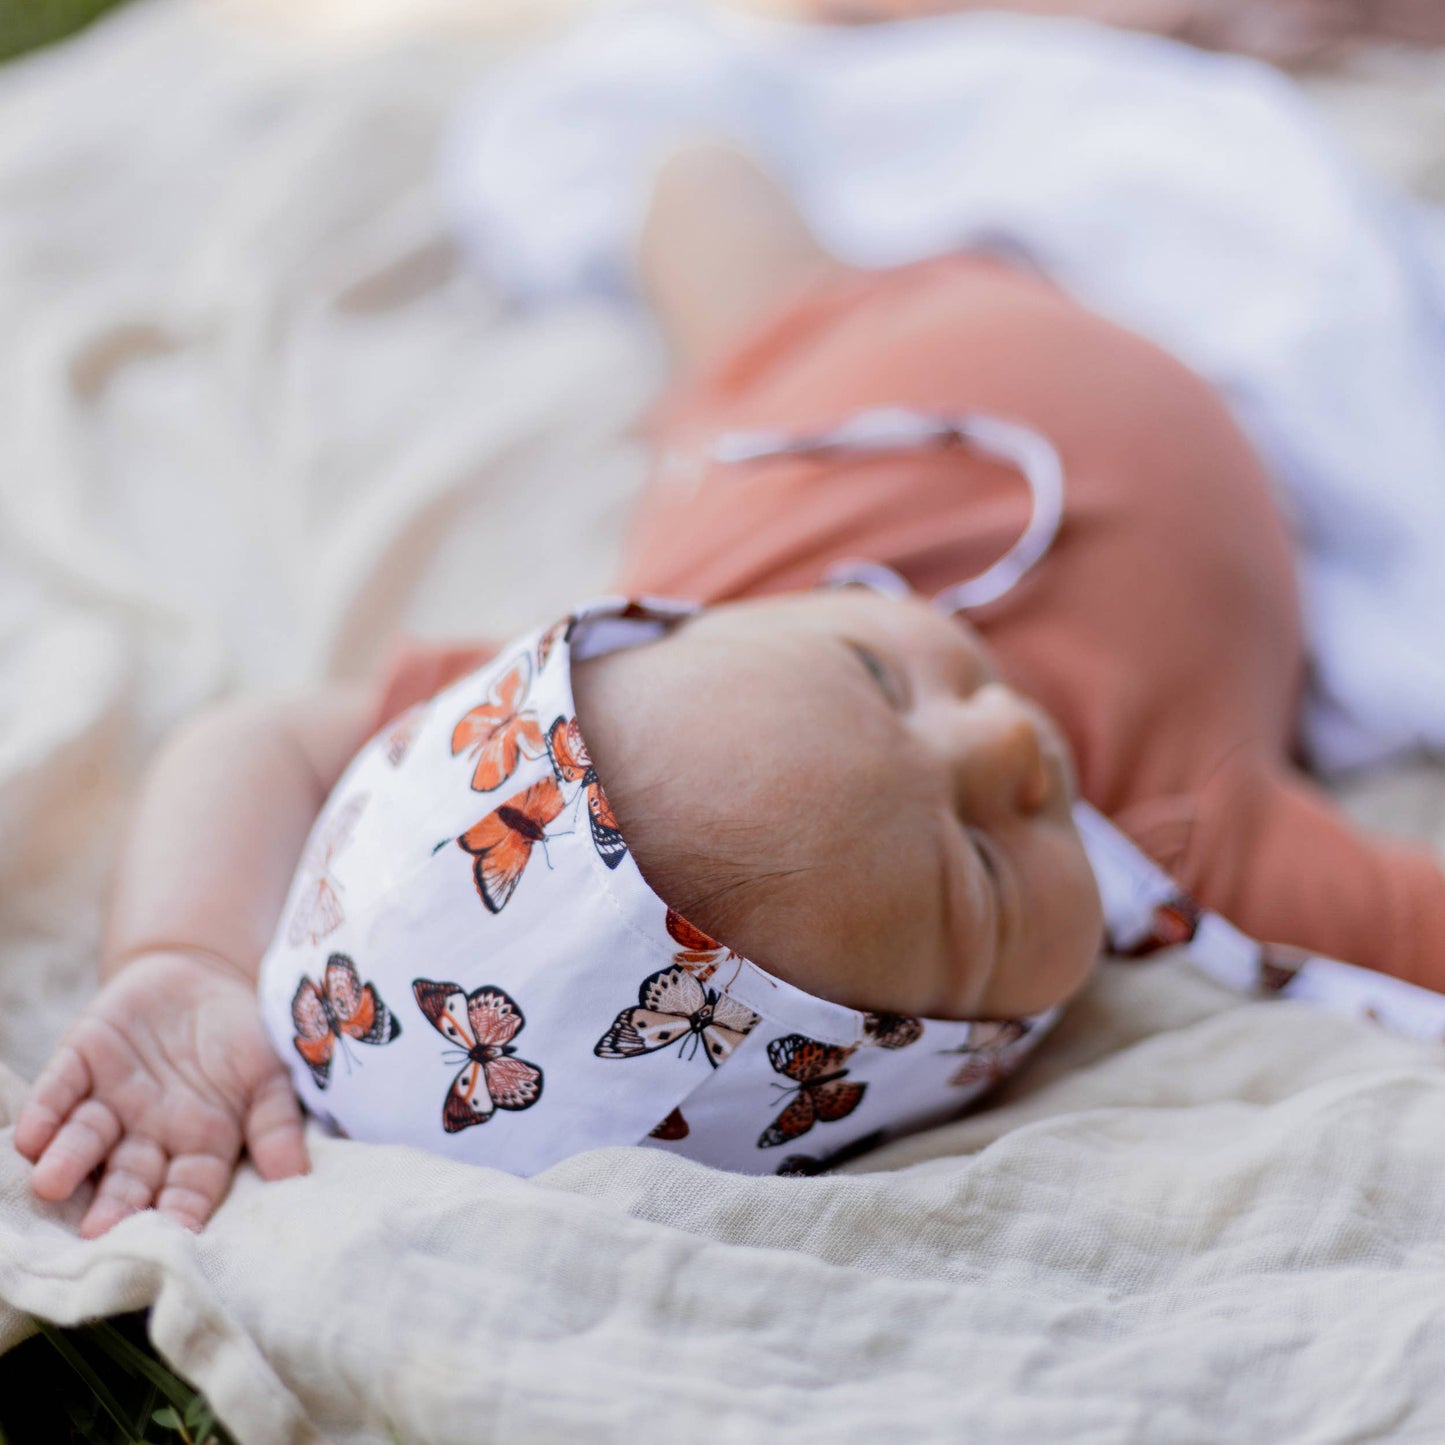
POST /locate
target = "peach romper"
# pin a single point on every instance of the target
(1162, 628)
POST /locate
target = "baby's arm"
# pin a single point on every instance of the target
(169, 1070)
(1281, 859)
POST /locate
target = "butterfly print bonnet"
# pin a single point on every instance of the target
(469, 960)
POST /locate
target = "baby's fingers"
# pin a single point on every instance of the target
(82, 1142)
(193, 1188)
(275, 1135)
(136, 1169)
(62, 1084)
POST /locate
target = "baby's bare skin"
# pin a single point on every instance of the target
(168, 1071)
(839, 786)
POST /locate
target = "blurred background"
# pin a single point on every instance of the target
(316, 324)
(1290, 32)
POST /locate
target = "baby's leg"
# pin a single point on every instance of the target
(722, 245)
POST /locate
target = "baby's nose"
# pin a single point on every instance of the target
(1001, 768)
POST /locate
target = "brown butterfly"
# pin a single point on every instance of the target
(399, 734)
(1278, 965)
(502, 842)
(672, 1007)
(809, 1164)
(821, 1092)
(672, 1127)
(985, 1053)
(318, 910)
(891, 1031)
(340, 1007)
(573, 764)
(482, 1024)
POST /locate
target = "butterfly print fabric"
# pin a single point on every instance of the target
(1279, 966)
(986, 1053)
(318, 911)
(673, 1127)
(822, 1092)
(499, 733)
(482, 1025)
(559, 631)
(340, 1007)
(502, 842)
(399, 734)
(697, 953)
(573, 764)
(810, 1164)
(1175, 921)
(891, 1031)
(469, 872)
(673, 1007)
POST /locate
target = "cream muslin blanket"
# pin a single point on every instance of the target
(253, 415)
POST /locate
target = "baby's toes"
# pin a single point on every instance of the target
(81, 1143)
(134, 1172)
(62, 1084)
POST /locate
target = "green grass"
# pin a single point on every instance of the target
(26, 24)
(100, 1384)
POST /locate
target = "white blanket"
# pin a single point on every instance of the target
(252, 414)
(1195, 199)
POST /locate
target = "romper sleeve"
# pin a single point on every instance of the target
(1272, 852)
(417, 670)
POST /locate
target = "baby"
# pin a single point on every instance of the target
(869, 798)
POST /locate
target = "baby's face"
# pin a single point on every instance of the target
(838, 786)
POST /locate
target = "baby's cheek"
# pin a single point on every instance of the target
(860, 945)
(1076, 938)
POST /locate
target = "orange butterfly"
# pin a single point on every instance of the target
(985, 1053)
(573, 764)
(559, 631)
(483, 1024)
(821, 1094)
(497, 733)
(502, 842)
(341, 1007)
(318, 910)
(1174, 921)
(671, 1006)
(699, 954)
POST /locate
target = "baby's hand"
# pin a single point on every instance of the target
(162, 1079)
